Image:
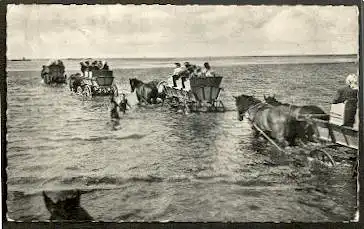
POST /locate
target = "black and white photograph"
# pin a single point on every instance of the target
(188, 113)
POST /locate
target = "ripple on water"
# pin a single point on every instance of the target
(163, 165)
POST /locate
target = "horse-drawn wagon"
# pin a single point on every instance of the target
(54, 72)
(199, 94)
(289, 123)
(93, 82)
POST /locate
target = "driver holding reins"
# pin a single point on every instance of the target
(349, 95)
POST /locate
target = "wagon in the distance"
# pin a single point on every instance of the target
(93, 82)
(54, 72)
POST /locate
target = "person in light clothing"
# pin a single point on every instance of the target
(207, 71)
(178, 71)
(349, 95)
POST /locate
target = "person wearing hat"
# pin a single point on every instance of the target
(177, 73)
(349, 95)
(83, 67)
(207, 71)
(124, 103)
(106, 67)
(188, 71)
(197, 71)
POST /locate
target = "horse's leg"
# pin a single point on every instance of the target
(256, 133)
(138, 97)
(149, 96)
(313, 133)
(278, 133)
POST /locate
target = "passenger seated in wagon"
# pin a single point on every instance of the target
(87, 68)
(105, 67)
(177, 73)
(185, 75)
(348, 95)
(197, 72)
(207, 71)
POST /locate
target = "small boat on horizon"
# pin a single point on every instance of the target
(22, 59)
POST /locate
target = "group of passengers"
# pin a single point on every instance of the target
(57, 63)
(188, 70)
(51, 64)
(95, 65)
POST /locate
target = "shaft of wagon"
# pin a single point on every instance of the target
(268, 138)
(314, 115)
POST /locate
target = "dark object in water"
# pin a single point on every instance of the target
(273, 121)
(54, 73)
(117, 107)
(75, 81)
(302, 113)
(65, 206)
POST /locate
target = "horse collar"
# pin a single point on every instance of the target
(258, 106)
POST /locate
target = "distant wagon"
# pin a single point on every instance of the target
(54, 72)
(201, 94)
(94, 81)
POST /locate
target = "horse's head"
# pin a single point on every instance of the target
(134, 82)
(272, 100)
(64, 206)
(243, 103)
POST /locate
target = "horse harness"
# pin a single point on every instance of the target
(259, 106)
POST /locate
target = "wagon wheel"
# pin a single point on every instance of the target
(79, 90)
(87, 91)
(323, 156)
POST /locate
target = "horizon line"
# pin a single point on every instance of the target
(186, 57)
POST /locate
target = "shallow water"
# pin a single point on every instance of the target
(164, 165)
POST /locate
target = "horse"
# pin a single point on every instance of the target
(66, 206)
(75, 81)
(271, 120)
(145, 92)
(301, 113)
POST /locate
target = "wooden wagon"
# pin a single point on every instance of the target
(334, 131)
(97, 82)
(54, 73)
(200, 94)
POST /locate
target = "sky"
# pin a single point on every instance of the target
(133, 31)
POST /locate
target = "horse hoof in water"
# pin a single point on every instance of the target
(65, 205)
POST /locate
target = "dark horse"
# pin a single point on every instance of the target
(145, 92)
(75, 81)
(66, 206)
(273, 121)
(302, 113)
